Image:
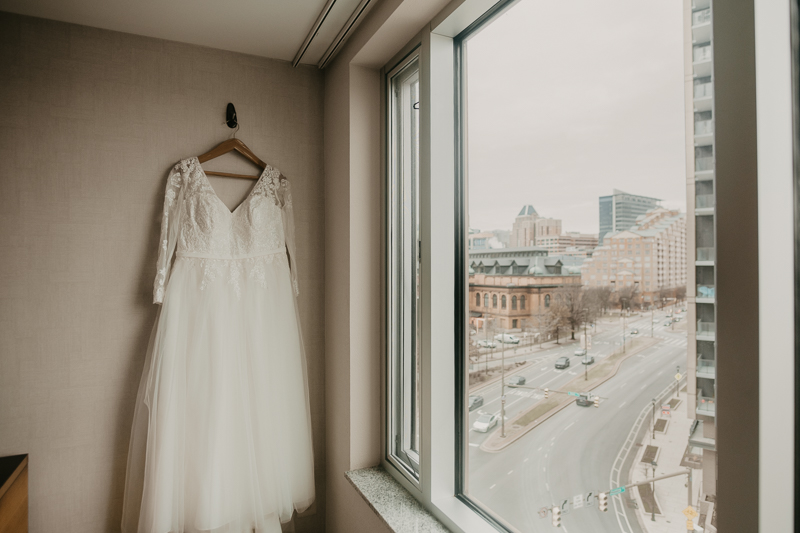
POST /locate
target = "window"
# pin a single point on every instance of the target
(403, 268)
(503, 108)
(494, 301)
(477, 299)
(514, 304)
(486, 301)
(522, 302)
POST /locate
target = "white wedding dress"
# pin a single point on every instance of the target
(221, 438)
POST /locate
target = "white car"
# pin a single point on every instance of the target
(507, 338)
(580, 352)
(485, 422)
(487, 344)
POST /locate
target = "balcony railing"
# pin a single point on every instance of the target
(706, 328)
(704, 127)
(701, 53)
(704, 200)
(703, 90)
(706, 254)
(706, 406)
(701, 17)
(706, 368)
(703, 163)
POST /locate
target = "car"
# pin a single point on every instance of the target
(487, 344)
(669, 315)
(485, 422)
(562, 362)
(475, 402)
(516, 380)
(584, 400)
(507, 338)
(668, 323)
(676, 319)
(634, 331)
(580, 351)
(588, 359)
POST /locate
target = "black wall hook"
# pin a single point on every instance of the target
(230, 117)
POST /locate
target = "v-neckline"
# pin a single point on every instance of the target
(228, 209)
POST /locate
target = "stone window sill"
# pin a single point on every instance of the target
(398, 509)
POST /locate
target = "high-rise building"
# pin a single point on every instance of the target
(528, 226)
(619, 211)
(701, 376)
(649, 259)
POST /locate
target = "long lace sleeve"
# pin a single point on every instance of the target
(169, 232)
(287, 212)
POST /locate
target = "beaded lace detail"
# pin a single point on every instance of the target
(202, 230)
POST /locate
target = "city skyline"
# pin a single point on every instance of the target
(615, 119)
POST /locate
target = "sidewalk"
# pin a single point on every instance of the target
(668, 449)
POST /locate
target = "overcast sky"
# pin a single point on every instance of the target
(568, 100)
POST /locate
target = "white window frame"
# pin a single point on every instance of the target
(437, 461)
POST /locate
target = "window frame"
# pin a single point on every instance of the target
(439, 463)
(407, 462)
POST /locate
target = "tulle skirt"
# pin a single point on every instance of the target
(221, 438)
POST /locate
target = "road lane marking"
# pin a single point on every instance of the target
(474, 445)
(540, 449)
(569, 426)
(643, 386)
(547, 485)
(622, 405)
(493, 486)
(526, 459)
(510, 472)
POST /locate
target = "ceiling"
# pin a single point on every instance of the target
(267, 28)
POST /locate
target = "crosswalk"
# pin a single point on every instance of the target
(673, 341)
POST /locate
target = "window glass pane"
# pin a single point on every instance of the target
(403, 318)
(600, 372)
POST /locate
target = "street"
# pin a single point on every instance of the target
(572, 452)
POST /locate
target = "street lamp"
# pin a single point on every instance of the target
(585, 346)
(622, 317)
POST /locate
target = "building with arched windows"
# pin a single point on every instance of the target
(514, 286)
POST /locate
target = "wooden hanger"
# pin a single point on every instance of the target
(229, 146)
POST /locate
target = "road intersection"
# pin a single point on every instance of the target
(572, 452)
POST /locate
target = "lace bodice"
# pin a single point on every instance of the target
(197, 225)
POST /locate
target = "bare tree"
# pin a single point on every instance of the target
(576, 306)
(680, 293)
(598, 299)
(555, 318)
(628, 297)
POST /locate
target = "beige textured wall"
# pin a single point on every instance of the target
(90, 122)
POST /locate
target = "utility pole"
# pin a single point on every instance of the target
(654, 420)
(585, 346)
(652, 320)
(503, 386)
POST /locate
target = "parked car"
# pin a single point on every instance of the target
(487, 344)
(584, 400)
(588, 360)
(676, 319)
(634, 331)
(562, 362)
(668, 323)
(580, 351)
(485, 422)
(475, 402)
(669, 315)
(516, 380)
(507, 338)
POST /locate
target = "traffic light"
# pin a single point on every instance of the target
(556, 516)
(546, 393)
(602, 501)
(597, 401)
